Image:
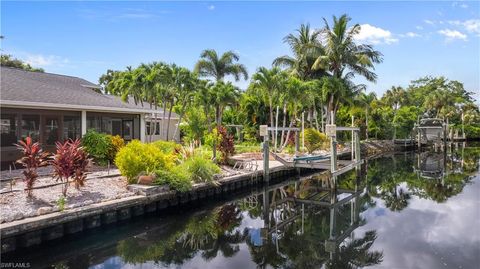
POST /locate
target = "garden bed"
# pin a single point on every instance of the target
(16, 205)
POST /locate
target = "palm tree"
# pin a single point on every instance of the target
(186, 84)
(366, 101)
(395, 97)
(210, 65)
(224, 94)
(305, 47)
(267, 82)
(343, 57)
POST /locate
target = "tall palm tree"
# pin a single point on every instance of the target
(395, 97)
(267, 82)
(366, 101)
(210, 65)
(343, 57)
(186, 85)
(224, 94)
(305, 47)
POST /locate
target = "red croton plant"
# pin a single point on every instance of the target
(226, 146)
(70, 162)
(33, 158)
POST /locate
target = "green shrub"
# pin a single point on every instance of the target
(167, 147)
(117, 143)
(471, 131)
(314, 139)
(98, 145)
(176, 178)
(137, 157)
(201, 170)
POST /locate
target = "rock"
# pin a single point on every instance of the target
(145, 180)
(87, 202)
(18, 216)
(44, 210)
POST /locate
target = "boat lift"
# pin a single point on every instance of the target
(322, 162)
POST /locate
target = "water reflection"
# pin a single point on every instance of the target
(355, 221)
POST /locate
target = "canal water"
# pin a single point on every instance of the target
(405, 210)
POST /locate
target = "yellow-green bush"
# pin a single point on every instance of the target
(117, 143)
(137, 157)
(314, 140)
(168, 147)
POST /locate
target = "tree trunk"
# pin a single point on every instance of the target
(366, 123)
(288, 134)
(163, 120)
(169, 116)
(284, 122)
(184, 105)
(271, 118)
(321, 118)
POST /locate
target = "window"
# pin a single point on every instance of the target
(128, 129)
(95, 123)
(71, 127)
(8, 129)
(30, 126)
(149, 128)
(52, 130)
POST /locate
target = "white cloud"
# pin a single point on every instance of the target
(211, 7)
(375, 35)
(412, 34)
(418, 27)
(452, 34)
(471, 26)
(429, 22)
(464, 5)
(39, 60)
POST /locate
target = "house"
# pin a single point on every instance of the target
(51, 107)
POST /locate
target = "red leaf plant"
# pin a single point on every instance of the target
(70, 162)
(33, 158)
(226, 146)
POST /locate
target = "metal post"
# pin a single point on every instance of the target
(297, 143)
(353, 140)
(357, 146)
(303, 130)
(266, 156)
(276, 130)
(333, 155)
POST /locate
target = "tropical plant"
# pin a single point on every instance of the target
(314, 140)
(10, 61)
(117, 143)
(137, 157)
(306, 47)
(365, 101)
(176, 178)
(33, 158)
(344, 58)
(226, 145)
(201, 169)
(211, 65)
(70, 161)
(98, 145)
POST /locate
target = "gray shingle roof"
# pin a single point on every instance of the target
(35, 87)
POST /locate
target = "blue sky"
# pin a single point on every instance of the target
(86, 38)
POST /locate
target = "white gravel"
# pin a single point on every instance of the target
(16, 205)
